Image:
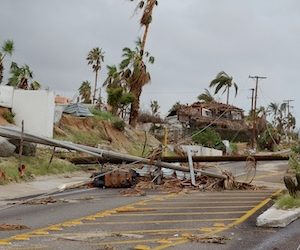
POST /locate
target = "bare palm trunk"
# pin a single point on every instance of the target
(1, 72)
(95, 89)
(137, 90)
(227, 95)
(135, 105)
(145, 35)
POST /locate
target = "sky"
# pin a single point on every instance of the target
(191, 40)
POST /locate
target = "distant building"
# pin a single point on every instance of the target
(226, 119)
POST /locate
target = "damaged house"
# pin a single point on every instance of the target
(226, 119)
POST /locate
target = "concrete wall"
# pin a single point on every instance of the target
(36, 108)
(202, 151)
(6, 96)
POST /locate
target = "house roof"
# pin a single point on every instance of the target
(213, 105)
(77, 109)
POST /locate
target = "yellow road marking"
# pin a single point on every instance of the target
(184, 213)
(235, 223)
(196, 207)
(221, 198)
(202, 202)
(45, 230)
(134, 241)
(157, 221)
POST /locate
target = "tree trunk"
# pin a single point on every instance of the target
(1, 72)
(227, 95)
(95, 89)
(144, 40)
(135, 105)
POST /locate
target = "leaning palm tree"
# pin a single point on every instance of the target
(273, 110)
(147, 6)
(136, 75)
(114, 77)
(7, 49)
(95, 58)
(224, 81)
(206, 96)
(20, 76)
(85, 91)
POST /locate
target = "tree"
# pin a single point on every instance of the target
(154, 107)
(85, 91)
(95, 59)
(223, 81)
(146, 19)
(206, 96)
(113, 77)
(118, 99)
(20, 77)
(35, 85)
(176, 106)
(134, 72)
(140, 76)
(7, 49)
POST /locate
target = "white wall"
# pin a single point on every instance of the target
(202, 151)
(36, 108)
(6, 96)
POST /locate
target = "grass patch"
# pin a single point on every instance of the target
(37, 166)
(287, 202)
(90, 138)
(102, 115)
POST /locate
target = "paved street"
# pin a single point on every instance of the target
(99, 219)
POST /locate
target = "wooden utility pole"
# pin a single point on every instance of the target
(288, 104)
(251, 113)
(254, 129)
(288, 114)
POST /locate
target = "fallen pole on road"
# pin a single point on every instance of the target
(14, 133)
(240, 158)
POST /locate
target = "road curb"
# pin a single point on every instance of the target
(275, 217)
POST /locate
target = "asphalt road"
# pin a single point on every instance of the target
(104, 219)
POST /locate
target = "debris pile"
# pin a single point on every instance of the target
(10, 227)
(208, 239)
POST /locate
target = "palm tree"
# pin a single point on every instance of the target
(35, 85)
(273, 109)
(135, 73)
(95, 58)
(20, 76)
(146, 19)
(7, 49)
(154, 107)
(85, 91)
(206, 96)
(222, 80)
(113, 77)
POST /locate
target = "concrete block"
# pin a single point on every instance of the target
(275, 217)
(6, 148)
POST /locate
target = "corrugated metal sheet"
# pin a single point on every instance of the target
(77, 109)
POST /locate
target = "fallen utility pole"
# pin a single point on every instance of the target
(14, 133)
(183, 159)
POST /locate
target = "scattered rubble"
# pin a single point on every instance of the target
(10, 227)
(43, 201)
(208, 239)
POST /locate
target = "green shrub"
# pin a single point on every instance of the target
(294, 162)
(208, 138)
(9, 116)
(119, 124)
(234, 148)
(287, 202)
